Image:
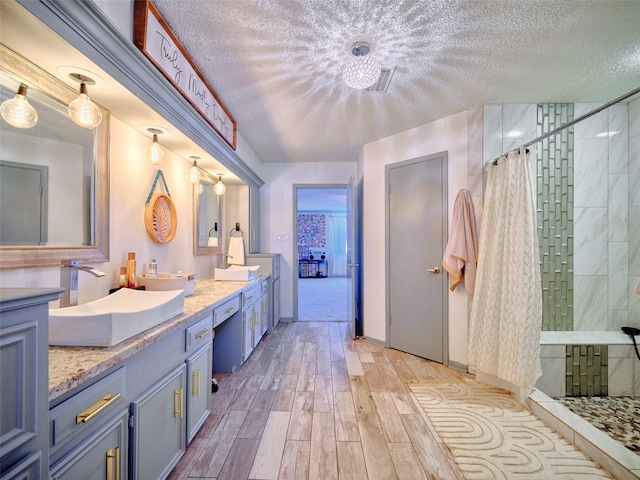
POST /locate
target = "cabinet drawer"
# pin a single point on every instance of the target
(225, 310)
(79, 414)
(199, 333)
(252, 295)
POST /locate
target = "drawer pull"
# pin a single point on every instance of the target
(202, 333)
(177, 402)
(113, 464)
(96, 408)
(195, 388)
(249, 298)
(229, 310)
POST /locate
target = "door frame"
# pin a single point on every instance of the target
(445, 229)
(294, 266)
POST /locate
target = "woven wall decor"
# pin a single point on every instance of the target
(160, 217)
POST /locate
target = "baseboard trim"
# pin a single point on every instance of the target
(461, 367)
(286, 319)
(375, 341)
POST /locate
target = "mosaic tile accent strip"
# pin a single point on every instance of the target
(554, 191)
(312, 230)
(491, 435)
(587, 370)
(618, 417)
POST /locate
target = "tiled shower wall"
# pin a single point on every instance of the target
(634, 211)
(606, 202)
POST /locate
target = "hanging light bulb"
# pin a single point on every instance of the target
(193, 174)
(82, 110)
(17, 111)
(154, 152)
(219, 187)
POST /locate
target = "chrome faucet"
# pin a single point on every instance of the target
(69, 281)
(224, 256)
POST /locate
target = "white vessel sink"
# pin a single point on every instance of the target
(114, 318)
(237, 273)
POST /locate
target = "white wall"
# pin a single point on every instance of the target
(448, 134)
(276, 207)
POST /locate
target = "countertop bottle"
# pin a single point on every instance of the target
(153, 268)
(131, 270)
(123, 277)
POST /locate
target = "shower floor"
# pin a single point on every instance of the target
(619, 417)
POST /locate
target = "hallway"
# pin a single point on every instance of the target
(312, 403)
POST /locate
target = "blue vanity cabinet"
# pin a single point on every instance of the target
(269, 264)
(101, 456)
(251, 319)
(24, 382)
(158, 430)
(199, 340)
(88, 430)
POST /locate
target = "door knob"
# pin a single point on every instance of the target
(433, 270)
(353, 264)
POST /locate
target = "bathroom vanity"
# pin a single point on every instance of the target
(23, 356)
(126, 411)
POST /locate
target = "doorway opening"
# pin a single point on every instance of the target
(321, 287)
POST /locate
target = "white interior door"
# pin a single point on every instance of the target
(417, 230)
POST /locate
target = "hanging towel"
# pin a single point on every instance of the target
(461, 255)
(236, 251)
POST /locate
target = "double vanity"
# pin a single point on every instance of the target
(128, 410)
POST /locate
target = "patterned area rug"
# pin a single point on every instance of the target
(618, 417)
(492, 436)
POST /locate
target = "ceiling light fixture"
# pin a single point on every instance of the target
(82, 110)
(362, 71)
(17, 111)
(219, 188)
(154, 152)
(193, 174)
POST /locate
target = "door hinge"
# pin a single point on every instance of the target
(131, 421)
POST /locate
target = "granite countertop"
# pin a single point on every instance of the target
(73, 366)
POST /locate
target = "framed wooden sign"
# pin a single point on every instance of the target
(153, 36)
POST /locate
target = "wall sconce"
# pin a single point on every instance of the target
(219, 188)
(154, 152)
(193, 174)
(82, 110)
(17, 111)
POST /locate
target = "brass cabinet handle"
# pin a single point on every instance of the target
(113, 464)
(249, 298)
(433, 270)
(229, 310)
(202, 333)
(195, 379)
(177, 402)
(96, 408)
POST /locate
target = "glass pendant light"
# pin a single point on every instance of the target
(362, 71)
(193, 174)
(154, 152)
(82, 110)
(219, 187)
(17, 111)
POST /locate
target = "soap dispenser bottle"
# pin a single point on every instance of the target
(153, 268)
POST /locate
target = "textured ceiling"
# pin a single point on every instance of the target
(276, 64)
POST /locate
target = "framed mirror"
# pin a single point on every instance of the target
(67, 166)
(206, 221)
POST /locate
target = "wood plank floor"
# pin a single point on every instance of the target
(311, 403)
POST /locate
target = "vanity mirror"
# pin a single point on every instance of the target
(54, 176)
(207, 225)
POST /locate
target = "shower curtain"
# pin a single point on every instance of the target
(506, 313)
